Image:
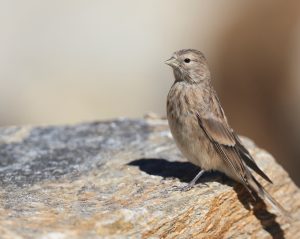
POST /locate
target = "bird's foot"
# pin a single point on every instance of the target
(187, 187)
(191, 184)
(184, 188)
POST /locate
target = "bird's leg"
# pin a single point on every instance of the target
(192, 183)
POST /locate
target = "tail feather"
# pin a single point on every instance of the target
(257, 187)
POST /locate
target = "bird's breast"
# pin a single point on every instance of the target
(182, 117)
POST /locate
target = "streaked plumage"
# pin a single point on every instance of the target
(200, 128)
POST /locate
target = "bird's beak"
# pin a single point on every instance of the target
(172, 62)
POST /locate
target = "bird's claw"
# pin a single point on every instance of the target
(187, 187)
(184, 188)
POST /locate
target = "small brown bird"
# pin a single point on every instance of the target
(201, 130)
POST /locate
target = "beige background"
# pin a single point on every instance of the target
(72, 61)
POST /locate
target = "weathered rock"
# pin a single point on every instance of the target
(116, 180)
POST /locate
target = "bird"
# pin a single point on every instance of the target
(201, 130)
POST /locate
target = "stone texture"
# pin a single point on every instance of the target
(116, 180)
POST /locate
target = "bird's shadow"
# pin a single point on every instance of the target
(186, 171)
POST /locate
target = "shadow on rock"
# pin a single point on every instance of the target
(185, 172)
(259, 208)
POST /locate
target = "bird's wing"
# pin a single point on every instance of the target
(229, 147)
(248, 159)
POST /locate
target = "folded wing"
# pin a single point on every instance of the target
(229, 147)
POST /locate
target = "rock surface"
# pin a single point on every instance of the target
(116, 180)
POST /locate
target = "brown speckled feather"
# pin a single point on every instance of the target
(227, 142)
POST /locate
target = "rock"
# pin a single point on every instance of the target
(117, 179)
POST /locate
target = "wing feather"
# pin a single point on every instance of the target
(230, 148)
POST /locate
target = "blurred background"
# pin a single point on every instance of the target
(65, 62)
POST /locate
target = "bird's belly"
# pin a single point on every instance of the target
(194, 144)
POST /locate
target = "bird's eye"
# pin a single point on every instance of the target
(187, 60)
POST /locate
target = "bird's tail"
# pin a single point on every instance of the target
(257, 187)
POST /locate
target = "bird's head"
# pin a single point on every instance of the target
(189, 65)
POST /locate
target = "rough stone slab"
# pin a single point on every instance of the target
(116, 180)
